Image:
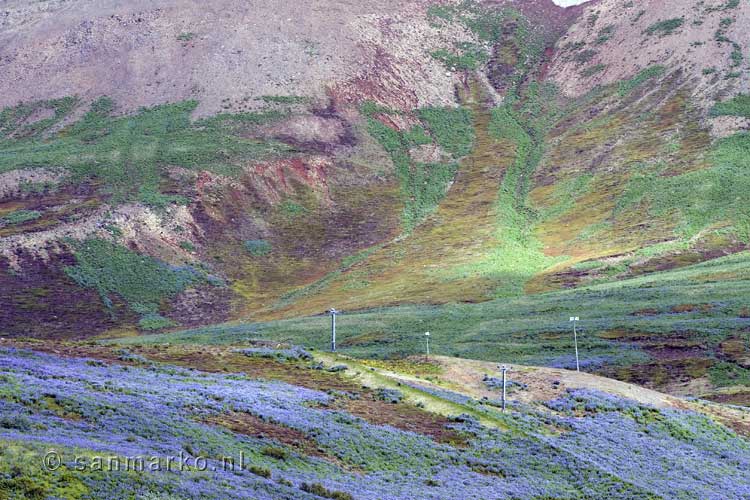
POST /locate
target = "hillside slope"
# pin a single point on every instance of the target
(161, 168)
(306, 432)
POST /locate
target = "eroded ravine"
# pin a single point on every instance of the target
(425, 266)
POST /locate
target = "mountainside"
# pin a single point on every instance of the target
(179, 164)
(495, 197)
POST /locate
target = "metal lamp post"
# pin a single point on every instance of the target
(333, 312)
(504, 369)
(427, 338)
(574, 320)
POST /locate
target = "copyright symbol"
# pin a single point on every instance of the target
(52, 461)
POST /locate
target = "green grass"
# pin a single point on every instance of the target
(593, 70)
(464, 56)
(666, 27)
(452, 128)
(17, 121)
(518, 254)
(604, 35)
(423, 185)
(737, 106)
(702, 198)
(258, 248)
(139, 280)
(129, 155)
(529, 329)
(20, 216)
(627, 86)
(565, 195)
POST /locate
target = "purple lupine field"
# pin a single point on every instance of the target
(585, 444)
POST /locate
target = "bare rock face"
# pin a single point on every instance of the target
(142, 53)
(311, 132)
(613, 40)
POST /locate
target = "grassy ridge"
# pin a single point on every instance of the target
(693, 310)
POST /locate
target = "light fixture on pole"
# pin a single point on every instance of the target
(574, 320)
(333, 312)
(427, 338)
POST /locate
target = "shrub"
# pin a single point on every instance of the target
(260, 471)
(322, 491)
(258, 248)
(187, 246)
(592, 70)
(142, 281)
(275, 452)
(464, 56)
(20, 216)
(627, 86)
(17, 422)
(129, 155)
(664, 28)
(153, 321)
(389, 395)
(737, 106)
(585, 56)
(452, 128)
(604, 34)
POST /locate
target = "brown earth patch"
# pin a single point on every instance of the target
(405, 417)
(685, 308)
(252, 425)
(662, 372)
(42, 302)
(648, 311)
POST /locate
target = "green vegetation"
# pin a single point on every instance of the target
(627, 86)
(258, 248)
(292, 209)
(321, 491)
(423, 185)
(186, 36)
(440, 13)
(490, 25)
(141, 281)
(702, 198)
(736, 55)
(21, 474)
(129, 155)
(664, 28)
(17, 122)
(464, 56)
(605, 34)
(20, 216)
(284, 99)
(567, 192)
(187, 246)
(585, 56)
(518, 255)
(534, 329)
(737, 106)
(592, 70)
(153, 322)
(452, 128)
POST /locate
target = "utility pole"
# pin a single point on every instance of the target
(427, 338)
(504, 369)
(333, 312)
(574, 320)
